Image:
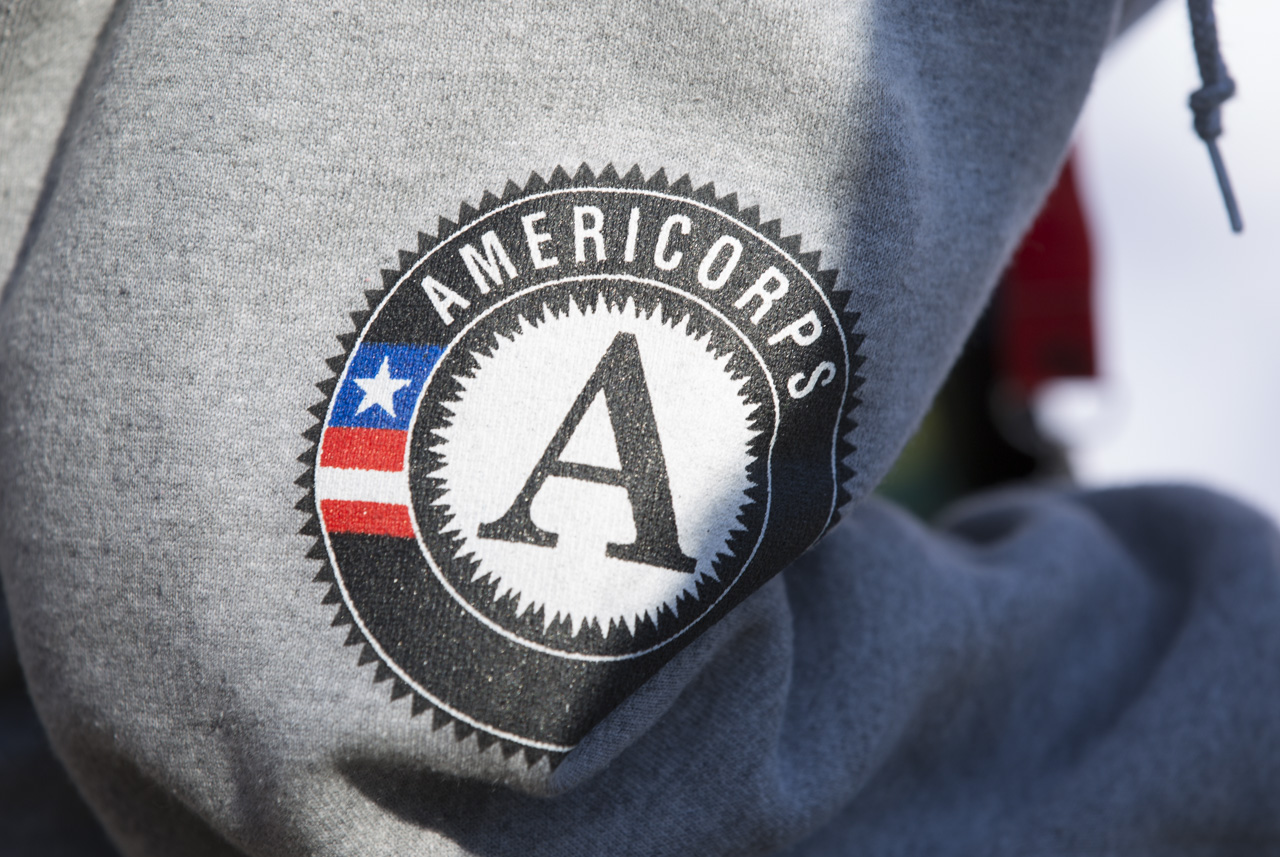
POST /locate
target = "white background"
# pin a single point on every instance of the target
(1188, 314)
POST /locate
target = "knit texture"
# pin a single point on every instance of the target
(1056, 673)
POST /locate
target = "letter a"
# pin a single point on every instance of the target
(620, 376)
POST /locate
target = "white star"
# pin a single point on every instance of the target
(380, 390)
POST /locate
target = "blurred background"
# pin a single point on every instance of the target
(1135, 338)
(1188, 314)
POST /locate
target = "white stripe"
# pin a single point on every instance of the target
(370, 486)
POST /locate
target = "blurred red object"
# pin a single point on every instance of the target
(1044, 310)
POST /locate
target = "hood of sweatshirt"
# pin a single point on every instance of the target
(427, 387)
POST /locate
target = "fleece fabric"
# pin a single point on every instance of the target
(45, 46)
(1049, 673)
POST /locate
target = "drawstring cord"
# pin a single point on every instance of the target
(1206, 102)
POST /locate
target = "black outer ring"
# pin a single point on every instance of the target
(523, 697)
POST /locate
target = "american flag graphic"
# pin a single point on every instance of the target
(361, 482)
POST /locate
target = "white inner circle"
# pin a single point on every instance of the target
(510, 410)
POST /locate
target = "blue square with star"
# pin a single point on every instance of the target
(382, 384)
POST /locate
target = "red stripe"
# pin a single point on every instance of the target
(363, 449)
(375, 519)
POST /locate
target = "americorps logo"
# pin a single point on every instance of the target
(575, 429)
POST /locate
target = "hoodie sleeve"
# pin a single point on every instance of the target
(406, 411)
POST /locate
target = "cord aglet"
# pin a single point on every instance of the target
(1228, 195)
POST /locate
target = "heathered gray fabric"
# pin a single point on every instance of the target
(1088, 674)
(44, 48)
(40, 811)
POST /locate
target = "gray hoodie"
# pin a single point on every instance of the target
(340, 519)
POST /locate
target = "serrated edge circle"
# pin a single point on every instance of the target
(560, 182)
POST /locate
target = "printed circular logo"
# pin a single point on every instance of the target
(574, 430)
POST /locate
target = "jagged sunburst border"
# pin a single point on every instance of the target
(559, 179)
